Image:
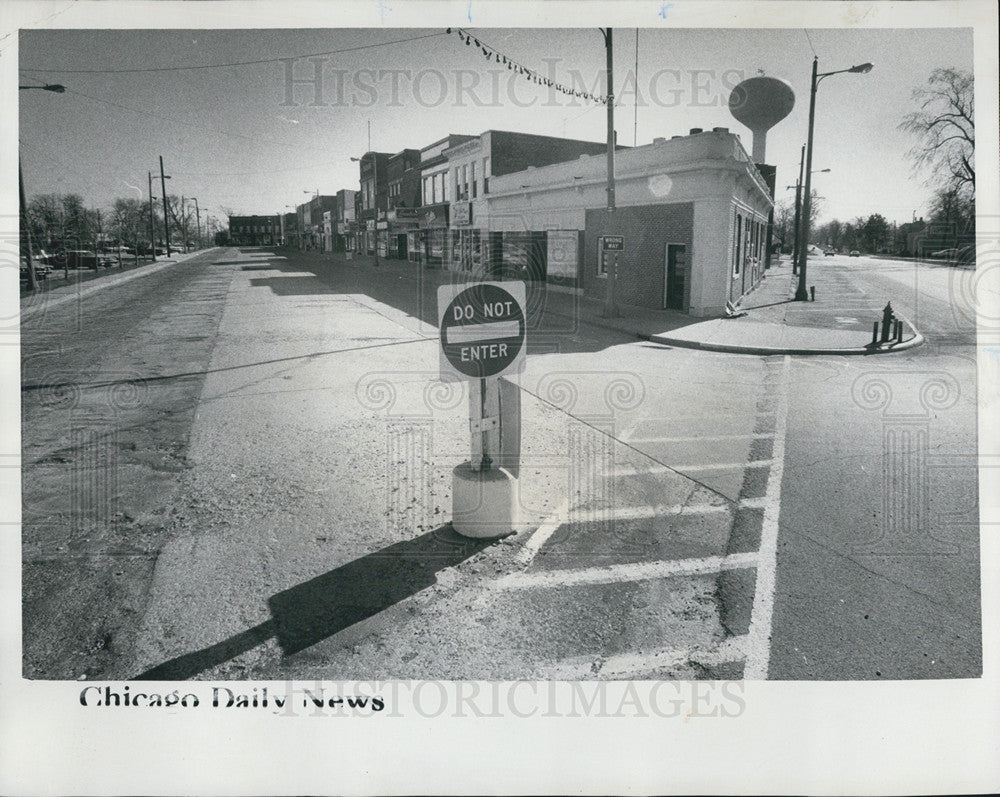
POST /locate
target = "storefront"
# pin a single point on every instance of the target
(402, 226)
(435, 238)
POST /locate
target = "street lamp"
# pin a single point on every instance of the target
(197, 216)
(798, 210)
(29, 260)
(801, 294)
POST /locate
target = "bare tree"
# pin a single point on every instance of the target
(945, 129)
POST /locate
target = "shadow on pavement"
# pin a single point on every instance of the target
(323, 606)
(558, 321)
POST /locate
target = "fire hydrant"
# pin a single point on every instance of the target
(887, 319)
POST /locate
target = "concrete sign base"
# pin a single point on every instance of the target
(484, 503)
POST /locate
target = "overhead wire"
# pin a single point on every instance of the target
(231, 63)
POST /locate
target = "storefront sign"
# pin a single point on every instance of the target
(563, 248)
(461, 214)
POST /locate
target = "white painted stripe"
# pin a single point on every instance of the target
(541, 535)
(698, 438)
(637, 512)
(625, 573)
(470, 333)
(652, 470)
(759, 644)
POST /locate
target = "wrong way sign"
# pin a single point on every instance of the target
(482, 329)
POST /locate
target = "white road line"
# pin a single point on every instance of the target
(541, 535)
(653, 470)
(625, 573)
(637, 512)
(629, 666)
(699, 438)
(759, 643)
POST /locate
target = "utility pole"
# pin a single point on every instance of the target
(610, 303)
(97, 239)
(798, 210)
(184, 222)
(152, 228)
(166, 215)
(32, 276)
(197, 217)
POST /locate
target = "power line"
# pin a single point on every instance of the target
(178, 121)
(233, 63)
(809, 39)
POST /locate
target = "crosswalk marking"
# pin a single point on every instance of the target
(656, 470)
(634, 571)
(759, 643)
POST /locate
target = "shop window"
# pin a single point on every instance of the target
(738, 246)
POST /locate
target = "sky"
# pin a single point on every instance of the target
(234, 134)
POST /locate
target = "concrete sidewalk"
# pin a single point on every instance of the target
(839, 321)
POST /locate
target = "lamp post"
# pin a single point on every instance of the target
(197, 218)
(28, 258)
(798, 208)
(801, 295)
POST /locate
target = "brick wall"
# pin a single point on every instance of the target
(647, 230)
(512, 152)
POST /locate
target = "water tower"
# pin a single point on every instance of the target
(760, 103)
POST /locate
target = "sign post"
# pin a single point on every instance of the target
(482, 330)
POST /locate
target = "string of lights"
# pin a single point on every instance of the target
(493, 54)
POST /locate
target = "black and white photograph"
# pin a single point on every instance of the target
(474, 365)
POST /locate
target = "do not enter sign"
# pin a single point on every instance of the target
(482, 329)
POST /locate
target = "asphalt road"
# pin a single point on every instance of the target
(240, 467)
(878, 546)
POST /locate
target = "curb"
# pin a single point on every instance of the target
(728, 348)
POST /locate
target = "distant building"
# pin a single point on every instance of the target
(310, 221)
(374, 197)
(289, 229)
(254, 230)
(429, 243)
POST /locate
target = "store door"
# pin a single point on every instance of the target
(674, 276)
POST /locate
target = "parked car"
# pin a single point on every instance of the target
(829, 253)
(80, 258)
(176, 250)
(855, 253)
(42, 270)
(947, 254)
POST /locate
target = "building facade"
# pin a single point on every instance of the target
(373, 199)
(693, 213)
(255, 230)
